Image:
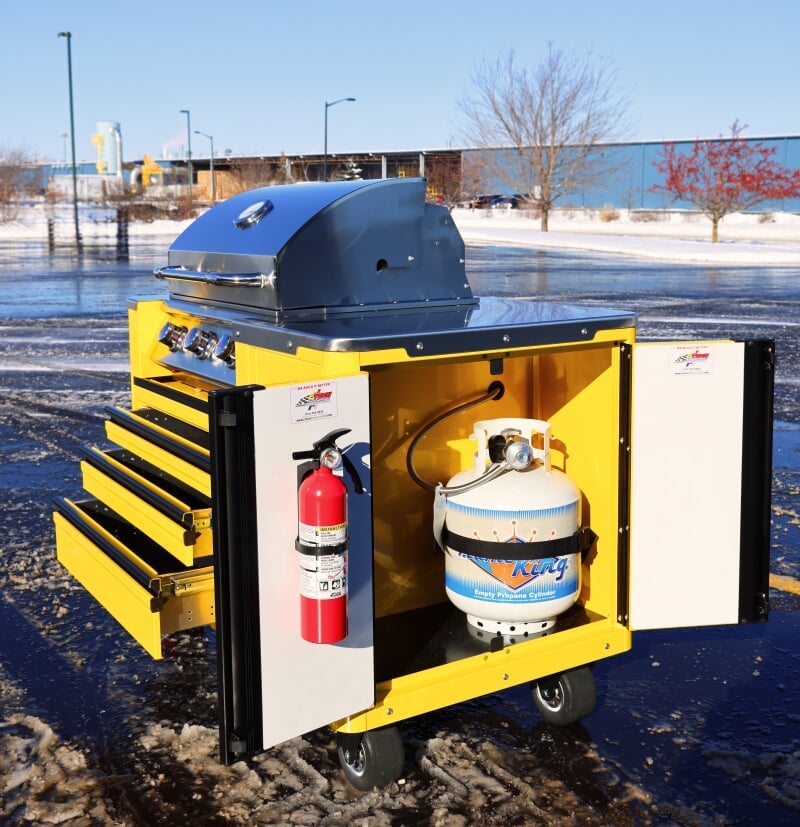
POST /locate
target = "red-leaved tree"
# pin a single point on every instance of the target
(725, 176)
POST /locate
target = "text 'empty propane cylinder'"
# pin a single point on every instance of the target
(511, 533)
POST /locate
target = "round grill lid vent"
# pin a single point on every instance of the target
(253, 213)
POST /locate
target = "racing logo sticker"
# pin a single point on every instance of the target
(693, 360)
(315, 400)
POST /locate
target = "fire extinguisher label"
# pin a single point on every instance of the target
(322, 535)
(323, 577)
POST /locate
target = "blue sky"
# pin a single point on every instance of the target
(256, 75)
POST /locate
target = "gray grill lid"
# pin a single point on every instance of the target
(321, 248)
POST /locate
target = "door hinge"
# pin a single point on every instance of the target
(226, 419)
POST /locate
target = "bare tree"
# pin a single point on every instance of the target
(19, 179)
(544, 124)
(473, 181)
(445, 178)
(242, 175)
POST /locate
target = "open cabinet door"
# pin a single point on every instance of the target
(273, 685)
(701, 467)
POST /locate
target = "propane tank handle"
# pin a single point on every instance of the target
(543, 453)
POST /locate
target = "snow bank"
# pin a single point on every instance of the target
(745, 239)
(32, 222)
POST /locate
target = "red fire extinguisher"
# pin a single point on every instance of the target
(322, 544)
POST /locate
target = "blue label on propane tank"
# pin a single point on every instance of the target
(514, 581)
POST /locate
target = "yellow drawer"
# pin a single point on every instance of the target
(179, 449)
(175, 396)
(130, 576)
(174, 516)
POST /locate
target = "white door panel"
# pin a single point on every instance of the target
(305, 685)
(686, 484)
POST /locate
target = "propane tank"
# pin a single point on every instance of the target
(322, 544)
(511, 535)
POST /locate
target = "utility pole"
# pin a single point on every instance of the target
(328, 105)
(189, 149)
(78, 243)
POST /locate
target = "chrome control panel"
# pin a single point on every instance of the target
(203, 348)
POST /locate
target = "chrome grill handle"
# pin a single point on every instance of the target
(216, 279)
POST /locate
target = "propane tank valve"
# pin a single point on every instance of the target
(510, 447)
(519, 455)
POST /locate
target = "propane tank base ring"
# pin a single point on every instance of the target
(511, 628)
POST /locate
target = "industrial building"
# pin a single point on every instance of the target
(217, 178)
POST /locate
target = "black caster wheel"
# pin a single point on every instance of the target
(565, 698)
(371, 759)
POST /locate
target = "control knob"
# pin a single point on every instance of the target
(172, 335)
(200, 342)
(224, 351)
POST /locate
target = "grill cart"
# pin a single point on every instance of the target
(388, 495)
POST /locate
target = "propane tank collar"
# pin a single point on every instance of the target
(494, 471)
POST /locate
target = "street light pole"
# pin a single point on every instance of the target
(189, 149)
(210, 165)
(79, 245)
(325, 161)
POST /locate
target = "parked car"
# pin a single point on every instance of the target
(506, 202)
(480, 202)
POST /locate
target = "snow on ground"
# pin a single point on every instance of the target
(748, 239)
(744, 238)
(31, 224)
